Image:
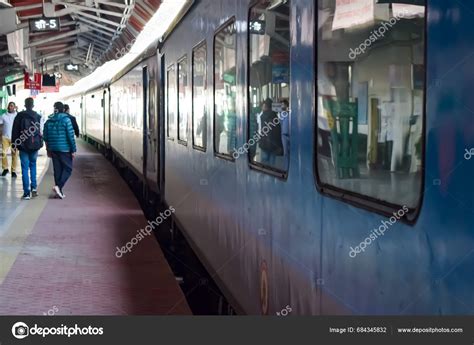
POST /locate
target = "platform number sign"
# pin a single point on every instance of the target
(71, 67)
(257, 27)
(44, 24)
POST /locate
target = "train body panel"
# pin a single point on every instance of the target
(106, 104)
(126, 118)
(152, 126)
(75, 105)
(251, 226)
(95, 115)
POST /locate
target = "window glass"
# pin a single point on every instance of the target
(199, 96)
(225, 90)
(182, 100)
(371, 73)
(171, 101)
(269, 88)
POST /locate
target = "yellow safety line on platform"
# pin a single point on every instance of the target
(11, 243)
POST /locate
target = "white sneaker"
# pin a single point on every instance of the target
(58, 193)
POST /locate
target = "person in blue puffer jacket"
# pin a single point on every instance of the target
(58, 134)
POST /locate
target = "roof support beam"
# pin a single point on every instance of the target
(53, 54)
(95, 43)
(54, 38)
(63, 57)
(100, 30)
(101, 27)
(144, 5)
(58, 44)
(31, 17)
(94, 52)
(134, 32)
(110, 3)
(102, 20)
(28, 7)
(85, 8)
(140, 19)
(97, 38)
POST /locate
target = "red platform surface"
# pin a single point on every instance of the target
(67, 265)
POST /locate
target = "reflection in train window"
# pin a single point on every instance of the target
(199, 96)
(131, 106)
(152, 106)
(371, 81)
(183, 100)
(225, 90)
(171, 101)
(269, 84)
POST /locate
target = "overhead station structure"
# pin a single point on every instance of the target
(69, 38)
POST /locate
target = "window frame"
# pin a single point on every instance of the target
(361, 201)
(231, 20)
(260, 167)
(171, 67)
(201, 44)
(178, 117)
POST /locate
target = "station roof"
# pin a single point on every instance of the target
(91, 33)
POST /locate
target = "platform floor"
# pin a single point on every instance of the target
(58, 256)
(11, 189)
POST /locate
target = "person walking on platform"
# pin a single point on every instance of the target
(73, 120)
(26, 137)
(7, 120)
(61, 146)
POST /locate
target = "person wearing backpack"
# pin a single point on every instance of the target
(61, 146)
(26, 137)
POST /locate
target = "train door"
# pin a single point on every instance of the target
(106, 104)
(151, 119)
(83, 115)
(145, 122)
(161, 122)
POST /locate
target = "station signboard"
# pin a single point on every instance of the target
(32, 83)
(71, 67)
(44, 24)
(351, 13)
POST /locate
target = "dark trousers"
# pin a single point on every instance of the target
(387, 155)
(62, 164)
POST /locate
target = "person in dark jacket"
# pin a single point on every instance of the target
(58, 134)
(270, 142)
(73, 120)
(26, 137)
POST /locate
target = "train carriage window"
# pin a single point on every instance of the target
(183, 100)
(225, 116)
(171, 101)
(269, 84)
(370, 100)
(199, 96)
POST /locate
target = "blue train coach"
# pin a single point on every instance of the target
(317, 152)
